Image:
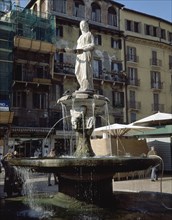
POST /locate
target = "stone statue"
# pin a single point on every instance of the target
(83, 66)
(83, 51)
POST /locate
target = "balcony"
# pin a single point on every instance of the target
(32, 78)
(133, 105)
(132, 58)
(64, 68)
(112, 76)
(158, 107)
(133, 82)
(156, 85)
(34, 45)
(155, 62)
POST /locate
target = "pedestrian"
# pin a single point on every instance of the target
(52, 154)
(154, 170)
(13, 182)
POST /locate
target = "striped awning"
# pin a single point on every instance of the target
(6, 117)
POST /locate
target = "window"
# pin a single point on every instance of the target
(170, 37)
(116, 44)
(128, 25)
(39, 100)
(163, 34)
(98, 39)
(19, 99)
(155, 102)
(96, 12)
(42, 8)
(155, 31)
(155, 80)
(136, 27)
(59, 31)
(59, 6)
(147, 29)
(154, 58)
(132, 98)
(42, 72)
(35, 9)
(132, 76)
(58, 57)
(132, 116)
(79, 9)
(116, 67)
(98, 91)
(98, 122)
(118, 99)
(97, 68)
(56, 91)
(170, 62)
(20, 72)
(133, 26)
(112, 17)
(131, 54)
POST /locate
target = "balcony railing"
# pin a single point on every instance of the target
(158, 107)
(64, 68)
(114, 76)
(155, 62)
(134, 105)
(156, 85)
(133, 82)
(132, 58)
(33, 77)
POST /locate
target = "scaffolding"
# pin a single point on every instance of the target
(29, 24)
(22, 32)
(21, 23)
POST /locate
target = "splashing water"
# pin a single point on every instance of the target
(36, 210)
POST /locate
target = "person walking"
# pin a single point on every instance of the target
(154, 170)
(52, 154)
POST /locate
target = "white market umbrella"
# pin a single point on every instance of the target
(119, 130)
(155, 119)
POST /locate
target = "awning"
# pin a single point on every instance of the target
(30, 130)
(6, 117)
(159, 131)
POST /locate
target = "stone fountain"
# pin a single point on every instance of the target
(84, 176)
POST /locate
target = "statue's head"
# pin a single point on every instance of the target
(84, 26)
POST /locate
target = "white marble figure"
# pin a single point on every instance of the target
(83, 66)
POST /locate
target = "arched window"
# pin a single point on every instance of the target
(42, 8)
(78, 8)
(35, 9)
(112, 17)
(96, 12)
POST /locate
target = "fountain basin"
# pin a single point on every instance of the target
(87, 179)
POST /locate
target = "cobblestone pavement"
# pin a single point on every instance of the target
(40, 184)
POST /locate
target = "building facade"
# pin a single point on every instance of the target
(148, 45)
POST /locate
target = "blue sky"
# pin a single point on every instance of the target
(158, 8)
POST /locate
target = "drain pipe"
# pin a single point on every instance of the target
(126, 83)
